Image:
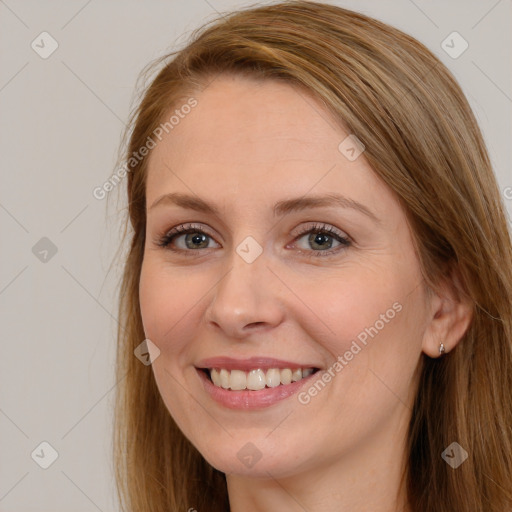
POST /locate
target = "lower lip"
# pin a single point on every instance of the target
(247, 399)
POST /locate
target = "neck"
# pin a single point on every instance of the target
(369, 477)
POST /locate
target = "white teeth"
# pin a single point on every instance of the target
(257, 379)
(214, 374)
(224, 379)
(238, 380)
(273, 377)
(296, 375)
(286, 376)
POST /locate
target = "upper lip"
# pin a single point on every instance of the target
(251, 363)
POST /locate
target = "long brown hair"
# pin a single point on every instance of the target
(423, 141)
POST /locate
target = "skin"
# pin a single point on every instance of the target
(247, 145)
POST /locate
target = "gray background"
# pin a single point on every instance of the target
(61, 120)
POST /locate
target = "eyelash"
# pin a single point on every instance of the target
(317, 228)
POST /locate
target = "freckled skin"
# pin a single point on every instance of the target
(245, 146)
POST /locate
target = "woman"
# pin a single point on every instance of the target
(321, 271)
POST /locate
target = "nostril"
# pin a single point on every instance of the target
(255, 324)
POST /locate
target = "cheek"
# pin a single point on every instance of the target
(370, 333)
(349, 306)
(167, 300)
(169, 305)
(370, 319)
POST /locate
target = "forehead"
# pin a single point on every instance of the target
(235, 109)
(250, 136)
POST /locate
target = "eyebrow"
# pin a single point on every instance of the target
(280, 208)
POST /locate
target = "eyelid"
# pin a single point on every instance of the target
(344, 240)
(190, 226)
(166, 239)
(324, 227)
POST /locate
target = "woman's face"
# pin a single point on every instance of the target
(275, 273)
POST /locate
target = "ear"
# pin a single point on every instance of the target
(450, 315)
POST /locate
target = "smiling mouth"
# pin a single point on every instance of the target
(257, 379)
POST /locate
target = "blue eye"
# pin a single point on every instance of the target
(193, 238)
(322, 239)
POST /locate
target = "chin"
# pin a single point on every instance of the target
(259, 459)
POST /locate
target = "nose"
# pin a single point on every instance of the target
(246, 300)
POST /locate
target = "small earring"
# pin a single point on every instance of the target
(441, 349)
